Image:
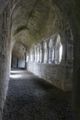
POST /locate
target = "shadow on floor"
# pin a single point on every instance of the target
(32, 98)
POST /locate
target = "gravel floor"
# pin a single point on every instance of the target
(31, 98)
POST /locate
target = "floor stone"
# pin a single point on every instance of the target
(31, 98)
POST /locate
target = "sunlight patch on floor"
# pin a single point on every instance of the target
(15, 76)
(17, 71)
(19, 74)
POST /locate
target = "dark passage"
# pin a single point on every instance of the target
(31, 98)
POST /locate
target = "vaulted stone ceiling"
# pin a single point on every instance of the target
(33, 20)
(19, 50)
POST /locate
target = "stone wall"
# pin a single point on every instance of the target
(18, 56)
(5, 55)
(18, 63)
(58, 75)
(52, 60)
(21, 63)
(14, 63)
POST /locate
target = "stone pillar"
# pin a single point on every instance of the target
(45, 52)
(17, 63)
(27, 56)
(42, 50)
(64, 45)
(33, 54)
(25, 59)
(5, 59)
(50, 50)
(37, 53)
(40, 53)
(76, 74)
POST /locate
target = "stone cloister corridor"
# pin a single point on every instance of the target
(39, 60)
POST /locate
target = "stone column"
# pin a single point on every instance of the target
(75, 23)
(50, 50)
(76, 74)
(64, 52)
(33, 54)
(47, 51)
(25, 60)
(5, 59)
(38, 53)
(42, 50)
(17, 63)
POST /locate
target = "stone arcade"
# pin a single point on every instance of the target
(42, 37)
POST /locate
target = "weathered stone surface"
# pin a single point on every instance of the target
(33, 21)
(30, 97)
(4, 57)
(55, 74)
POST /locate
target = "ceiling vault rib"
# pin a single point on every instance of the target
(14, 7)
(32, 10)
(24, 27)
(21, 28)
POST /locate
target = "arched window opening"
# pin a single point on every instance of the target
(45, 52)
(50, 50)
(58, 50)
(18, 56)
(53, 55)
(38, 55)
(31, 55)
(35, 53)
(27, 57)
